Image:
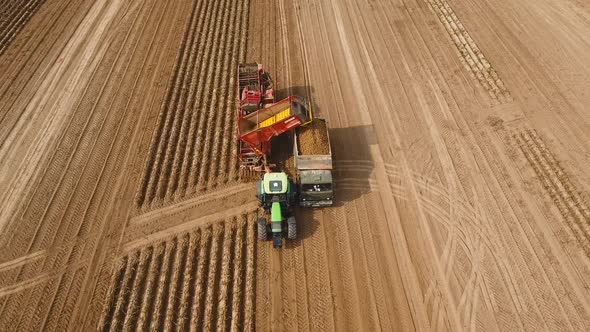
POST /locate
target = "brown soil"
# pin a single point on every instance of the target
(202, 281)
(312, 139)
(14, 15)
(460, 138)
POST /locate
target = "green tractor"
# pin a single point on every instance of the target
(277, 196)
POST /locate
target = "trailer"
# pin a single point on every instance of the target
(313, 161)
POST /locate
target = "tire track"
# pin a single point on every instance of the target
(161, 44)
(558, 185)
(52, 232)
(472, 57)
(31, 61)
(344, 240)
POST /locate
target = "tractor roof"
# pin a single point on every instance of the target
(275, 183)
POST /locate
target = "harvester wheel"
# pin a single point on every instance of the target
(262, 229)
(291, 228)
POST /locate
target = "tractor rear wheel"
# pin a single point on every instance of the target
(262, 229)
(291, 228)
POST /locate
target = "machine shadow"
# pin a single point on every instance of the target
(352, 160)
(297, 90)
(352, 163)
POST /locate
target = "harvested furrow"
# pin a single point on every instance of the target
(180, 182)
(238, 278)
(150, 288)
(202, 281)
(229, 147)
(205, 118)
(93, 167)
(17, 17)
(153, 162)
(558, 185)
(222, 101)
(210, 306)
(193, 140)
(225, 283)
(137, 289)
(187, 291)
(472, 57)
(250, 290)
(160, 142)
(204, 58)
(187, 100)
(163, 283)
(58, 232)
(157, 68)
(175, 281)
(123, 298)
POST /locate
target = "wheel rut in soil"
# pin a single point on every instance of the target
(470, 54)
(564, 194)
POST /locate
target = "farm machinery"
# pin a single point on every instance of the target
(260, 119)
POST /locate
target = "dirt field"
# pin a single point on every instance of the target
(460, 137)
